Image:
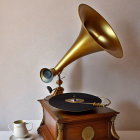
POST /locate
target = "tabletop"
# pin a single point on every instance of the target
(124, 135)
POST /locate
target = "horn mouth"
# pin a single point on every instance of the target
(100, 30)
(46, 75)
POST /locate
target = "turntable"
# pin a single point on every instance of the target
(80, 116)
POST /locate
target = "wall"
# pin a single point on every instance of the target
(37, 33)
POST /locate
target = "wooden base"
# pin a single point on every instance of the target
(97, 124)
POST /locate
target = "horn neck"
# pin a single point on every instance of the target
(84, 45)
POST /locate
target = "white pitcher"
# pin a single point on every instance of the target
(19, 129)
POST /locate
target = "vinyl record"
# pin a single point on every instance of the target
(74, 102)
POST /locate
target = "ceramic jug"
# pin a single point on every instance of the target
(19, 129)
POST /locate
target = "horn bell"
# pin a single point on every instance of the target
(100, 30)
(96, 35)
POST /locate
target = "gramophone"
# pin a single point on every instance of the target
(80, 116)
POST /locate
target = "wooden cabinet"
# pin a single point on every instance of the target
(97, 124)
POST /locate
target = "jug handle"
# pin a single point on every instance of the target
(10, 126)
(31, 125)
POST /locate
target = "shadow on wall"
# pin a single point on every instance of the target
(130, 111)
(76, 81)
(129, 116)
(131, 63)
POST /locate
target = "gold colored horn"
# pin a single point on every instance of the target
(96, 35)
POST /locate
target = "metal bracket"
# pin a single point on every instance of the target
(113, 131)
(60, 131)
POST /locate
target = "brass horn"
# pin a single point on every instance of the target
(95, 35)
